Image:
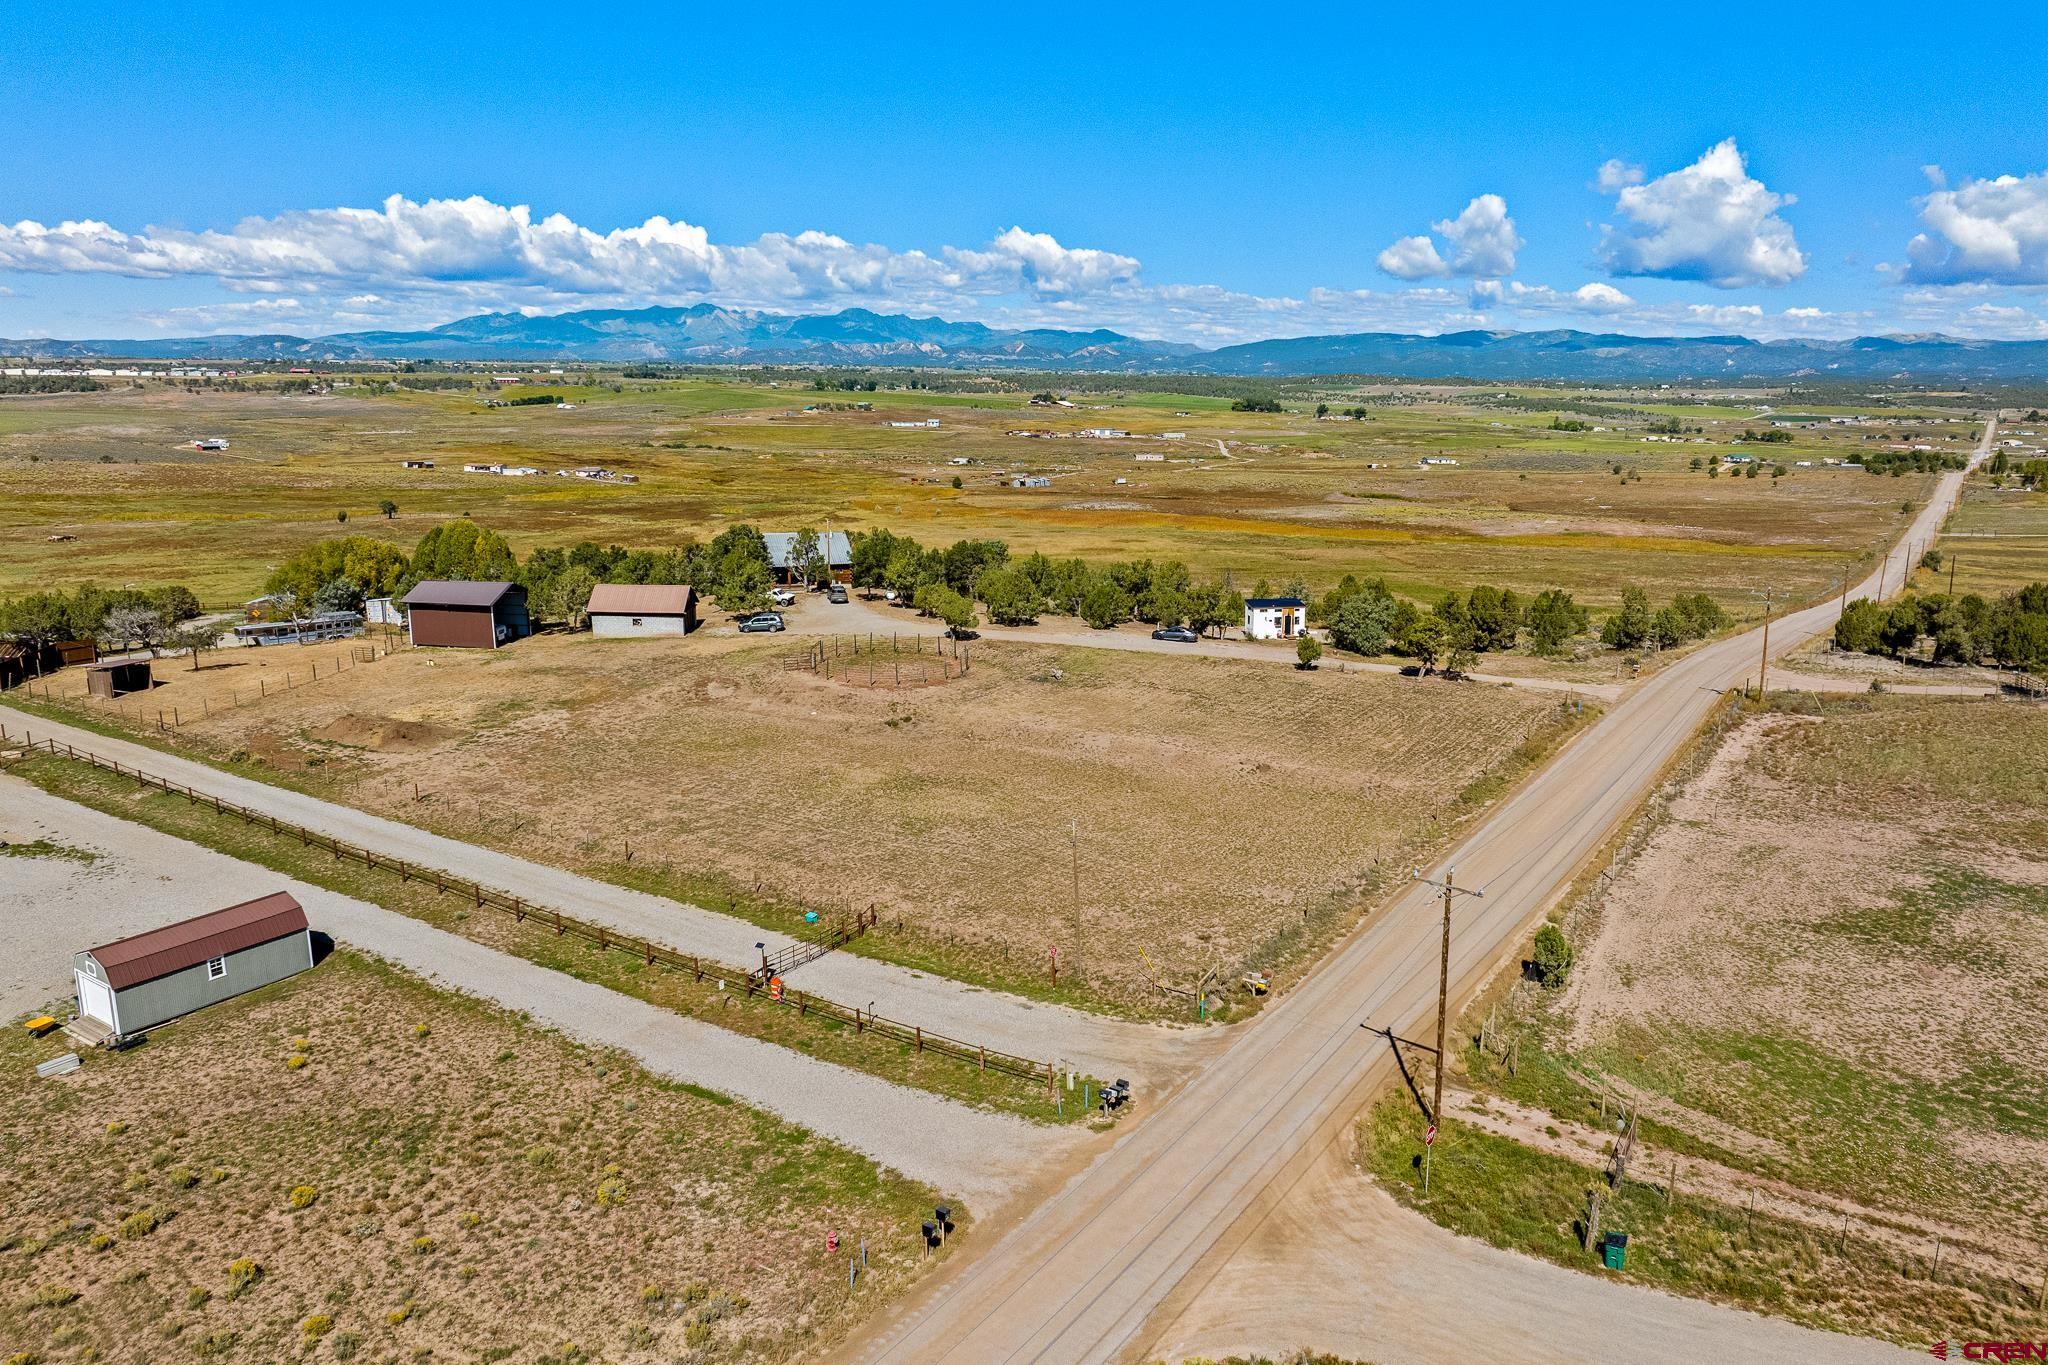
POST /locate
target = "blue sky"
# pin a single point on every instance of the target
(1196, 174)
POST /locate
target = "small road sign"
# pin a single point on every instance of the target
(1429, 1138)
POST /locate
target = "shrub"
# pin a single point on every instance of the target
(183, 1177)
(317, 1326)
(470, 1220)
(53, 1296)
(302, 1044)
(423, 1245)
(215, 1344)
(540, 1154)
(302, 1196)
(117, 1127)
(1308, 651)
(650, 1293)
(1552, 956)
(296, 1061)
(197, 1295)
(140, 1223)
(611, 1192)
(100, 1241)
(345, 1345)
(398, 1314)
(420, 1030)
(696, 1291)
(696, 1334)
(242, 1273)
(22, 1358)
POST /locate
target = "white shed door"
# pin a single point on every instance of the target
(95, 999)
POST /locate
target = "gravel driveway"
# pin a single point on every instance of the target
(139, 879)
(1151, 1054)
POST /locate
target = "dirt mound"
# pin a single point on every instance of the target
(382, 733)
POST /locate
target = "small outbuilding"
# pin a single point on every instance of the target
(466, 615)
(622, 609)
(134, 984)
(111, 678)
(1274, 618)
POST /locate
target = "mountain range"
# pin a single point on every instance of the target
(706, 334)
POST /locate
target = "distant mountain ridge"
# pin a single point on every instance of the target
(706, 334)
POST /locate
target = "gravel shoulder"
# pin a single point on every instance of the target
(137, 879)
(1151, 1054)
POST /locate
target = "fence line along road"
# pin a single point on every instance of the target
(762, 981)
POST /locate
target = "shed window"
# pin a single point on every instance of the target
(636, 620)
(216, 968)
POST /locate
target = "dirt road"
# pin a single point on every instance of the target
(1107, 1266)
(1103, 1047)
(138, 879)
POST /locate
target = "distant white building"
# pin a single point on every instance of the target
(1436, 462)
(1275, 618)
(483, 469)
(1150, 457)
(1031, 481)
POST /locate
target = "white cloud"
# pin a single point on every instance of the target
(1412, 258)
(1616, 175)
(457, 243)
(1984, 232)
(1592, 298)
(1482, 243)
(1710, 221)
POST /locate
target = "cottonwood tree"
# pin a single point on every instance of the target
(125, 626)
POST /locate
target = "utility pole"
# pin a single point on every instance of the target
(1951, 577)
(1443, 981)
(1763, 664)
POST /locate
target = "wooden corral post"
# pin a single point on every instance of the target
(1592, 1217)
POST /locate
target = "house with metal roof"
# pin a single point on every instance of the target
(134, 984)
(837, 546)
(1274, 618)
(630, 609)
(466, 615)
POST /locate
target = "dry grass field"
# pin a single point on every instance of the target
(425, 1183)
(1999, 540)
(1860, 1045)
(1271, 496)
(1219, 805)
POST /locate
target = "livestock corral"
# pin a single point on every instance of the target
(1151, 819)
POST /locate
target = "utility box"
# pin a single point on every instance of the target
(1614, 1250)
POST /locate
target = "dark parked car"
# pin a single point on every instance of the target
(766, 620)
(1180, 635)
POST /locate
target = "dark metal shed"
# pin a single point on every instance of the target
(466, 615)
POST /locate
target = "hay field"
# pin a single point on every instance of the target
(1219, 805)
(1271, 496)
(1999, 539)
(431, 1181)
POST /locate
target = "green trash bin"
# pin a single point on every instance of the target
(1614, 1250)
